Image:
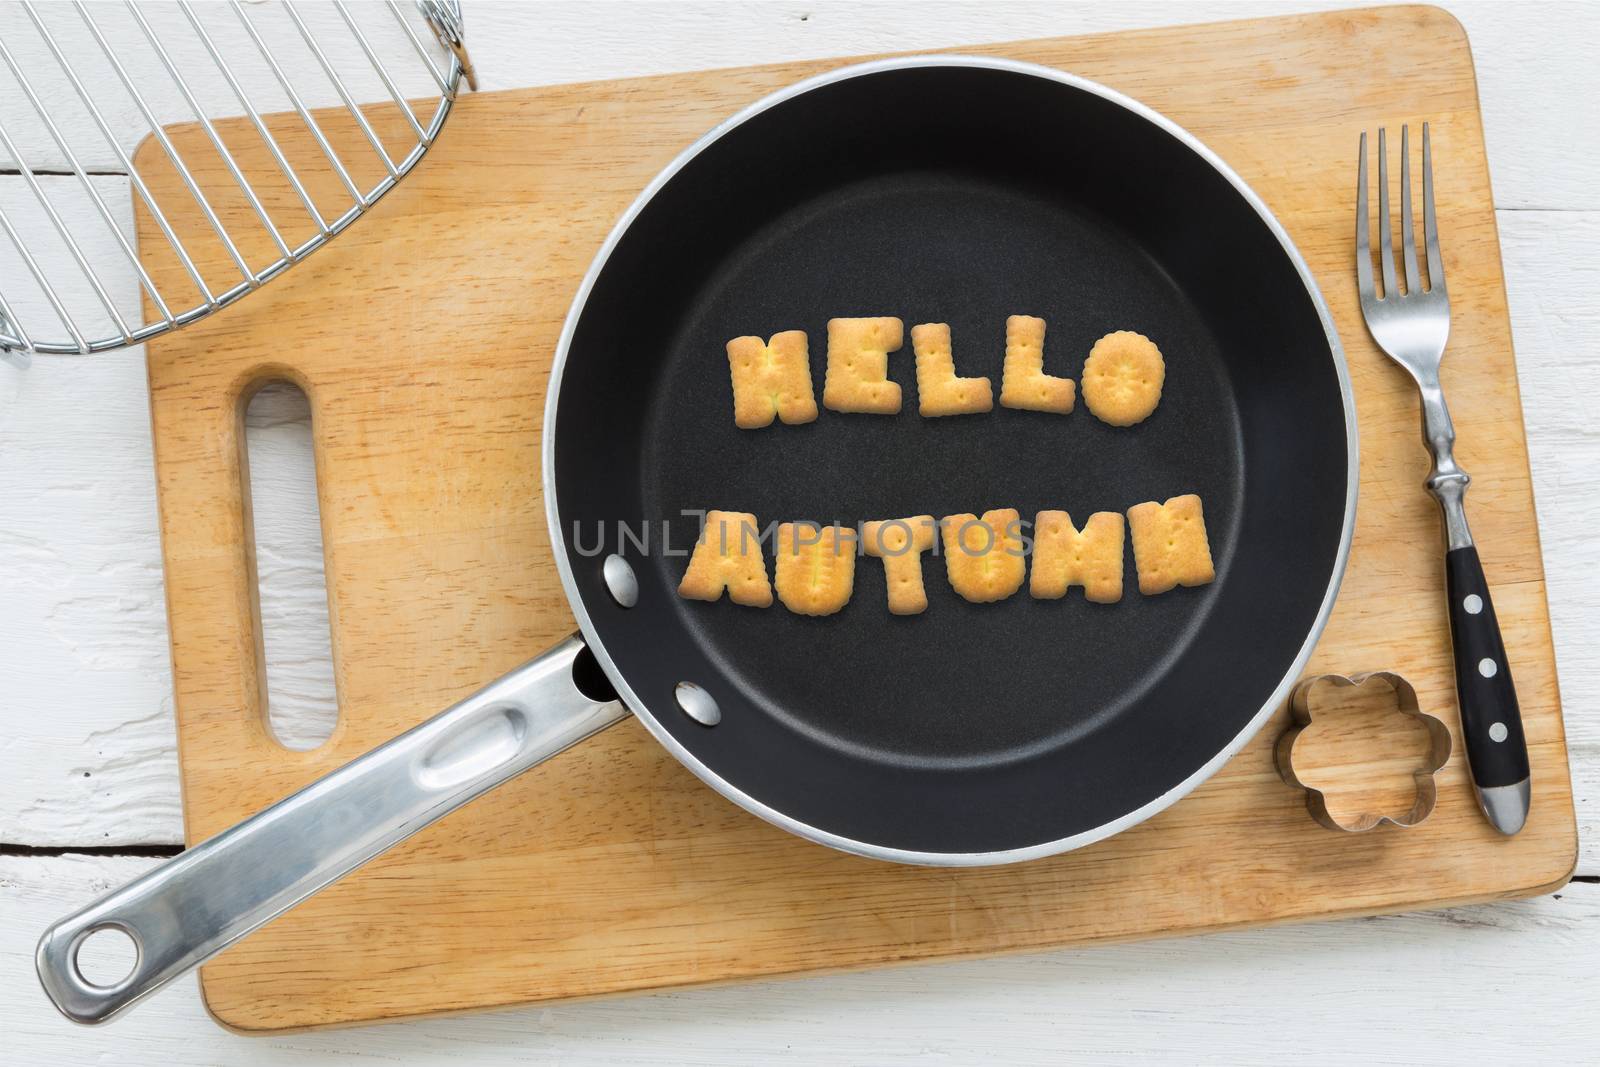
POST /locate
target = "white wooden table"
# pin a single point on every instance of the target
(88, 778)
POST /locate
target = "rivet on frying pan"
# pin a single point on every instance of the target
(698, 704)
(622, 583)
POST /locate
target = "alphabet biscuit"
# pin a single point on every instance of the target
(985, 558)
(1122, 378)
(858, 365)
(816, 567)
(939, 391)
(728, 556)
(1024, 384)
(771, 379)
(1169, 544)
(900, 543)
(1063, 556)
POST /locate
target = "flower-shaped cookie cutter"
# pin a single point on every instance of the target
(1302, 711)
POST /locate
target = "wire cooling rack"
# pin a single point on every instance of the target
(98, 78)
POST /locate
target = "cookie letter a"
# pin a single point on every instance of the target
(728, 556)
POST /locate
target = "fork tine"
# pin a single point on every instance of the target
(1408, 233)
(1430, 226)
(1385, 225)
(1363, 227)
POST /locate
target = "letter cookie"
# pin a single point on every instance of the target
(771, 379)
(900, 543)
(858, 365)
(939, 391)
(1169, 544)
(1024, 383)
(728, 556)
(1122, 378)
(1063, 556)
(984, 557)
(816, 567)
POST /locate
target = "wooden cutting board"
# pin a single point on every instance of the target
(423, 338)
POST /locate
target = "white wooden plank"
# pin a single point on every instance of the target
(1543, 155)
(1394, 990)
(85, 688)
(1553, 287)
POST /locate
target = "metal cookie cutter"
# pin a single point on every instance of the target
(1405, 696)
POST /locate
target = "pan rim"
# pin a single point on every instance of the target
(641, 709)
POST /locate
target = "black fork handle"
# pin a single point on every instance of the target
(1491, 720)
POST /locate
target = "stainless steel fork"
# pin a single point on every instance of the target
(1412, 325)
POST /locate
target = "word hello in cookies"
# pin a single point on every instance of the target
(986, 558)
(1122, 377)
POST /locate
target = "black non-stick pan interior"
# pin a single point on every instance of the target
(956, 194)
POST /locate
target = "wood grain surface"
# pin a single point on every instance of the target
(423, 338)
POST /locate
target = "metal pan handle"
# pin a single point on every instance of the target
(197, 904)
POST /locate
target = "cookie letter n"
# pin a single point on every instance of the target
(1169, 544)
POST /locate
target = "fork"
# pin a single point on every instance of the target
(1411, 326)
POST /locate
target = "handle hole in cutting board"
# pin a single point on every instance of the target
(285, 521)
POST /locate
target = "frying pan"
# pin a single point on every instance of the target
(940, 189)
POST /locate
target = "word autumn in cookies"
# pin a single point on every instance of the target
(1122, 376)
(986, 558)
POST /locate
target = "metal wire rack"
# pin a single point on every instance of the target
(120, 74)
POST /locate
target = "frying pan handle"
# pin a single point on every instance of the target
(196, 904)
